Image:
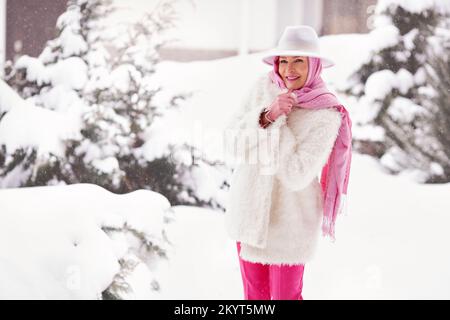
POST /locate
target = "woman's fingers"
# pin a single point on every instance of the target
(285, 102)
(289, 95)
(288, 100)
(286, 109)
(292, 100)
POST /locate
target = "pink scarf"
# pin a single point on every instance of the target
(335, 173)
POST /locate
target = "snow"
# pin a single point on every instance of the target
(405, 80)
(420, 76)
(69, 18)
(408, 39)
(381, 21)
(372, 257)
(393, 158)
(16, 177)
(436, 168)
(381, 246)
(390, 245)
(383, 37)
(350, 51)
(23, 125)
(203, 264)
(414, 6)
(62, 100)
(70, 72)
(8, 97)
(404, 110)
(72, 44)
(380, 84)
(206, 183)
(369, 132)
(36, 69)
(120, 77)
(52, 245)
(108, 165)
(198, 123)
(210, 24)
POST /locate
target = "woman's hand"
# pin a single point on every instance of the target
(282, 104)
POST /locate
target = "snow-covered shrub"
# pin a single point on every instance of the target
(81, 242)
(396, 90)
(100, 75)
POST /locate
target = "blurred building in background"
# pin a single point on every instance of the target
(215, 28)
(207, 29)
(346, 16)
(2, 34)
(27, 25)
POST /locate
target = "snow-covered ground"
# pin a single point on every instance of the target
(392, 244)
(53, 244)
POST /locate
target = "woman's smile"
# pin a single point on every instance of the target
(292, 78)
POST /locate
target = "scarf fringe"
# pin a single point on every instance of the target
(329, 223)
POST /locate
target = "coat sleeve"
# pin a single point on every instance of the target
(243, 134)
(303, 153)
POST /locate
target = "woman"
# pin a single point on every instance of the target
(274, 215)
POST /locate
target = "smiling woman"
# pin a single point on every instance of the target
(275, 217)
(293, 70)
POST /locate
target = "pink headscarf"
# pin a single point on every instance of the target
(335, 173)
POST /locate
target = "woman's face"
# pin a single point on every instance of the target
(293, 71)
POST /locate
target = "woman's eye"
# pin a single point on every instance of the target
(296, 60)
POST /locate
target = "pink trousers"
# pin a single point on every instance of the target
(271, 282)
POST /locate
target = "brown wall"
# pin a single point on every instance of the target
(31, 23)
(345, 16)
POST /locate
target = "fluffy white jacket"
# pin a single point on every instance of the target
(275, 207)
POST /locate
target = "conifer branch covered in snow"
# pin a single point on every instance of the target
(397, 94)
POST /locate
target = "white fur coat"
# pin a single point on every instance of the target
(275, 204)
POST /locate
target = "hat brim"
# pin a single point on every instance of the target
(269, 57)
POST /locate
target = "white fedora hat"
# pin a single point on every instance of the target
(298, 41)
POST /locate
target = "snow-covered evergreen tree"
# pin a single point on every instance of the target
(399, 120)
(55, 80)
(102, 75)
(437, 99)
